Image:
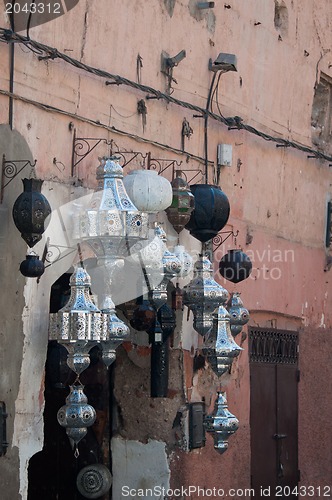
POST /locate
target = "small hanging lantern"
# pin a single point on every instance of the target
(183, 203)
(220, 347)
(31, 211)
(32, 267)
(76, 415)
(149, 191)
(222, 424)
(211, 212)
(238, 313)
(171, 267)
(114, 332)
(235, 266)
(203, 295)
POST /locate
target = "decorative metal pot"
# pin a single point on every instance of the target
(30, 212)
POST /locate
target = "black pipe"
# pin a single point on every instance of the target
(159, 369)
(11, 70)
(206, 117)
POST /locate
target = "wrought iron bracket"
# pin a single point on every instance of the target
(10, 169)
(218, 240)
(82, 147)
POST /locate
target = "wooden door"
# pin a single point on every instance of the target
(273, 412)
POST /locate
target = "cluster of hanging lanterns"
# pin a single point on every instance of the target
(114, 225)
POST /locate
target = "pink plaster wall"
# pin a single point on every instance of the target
(278, 196)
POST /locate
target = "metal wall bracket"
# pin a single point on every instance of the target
(219, 239)
(10, 169)
(82, 147)
(3, 429)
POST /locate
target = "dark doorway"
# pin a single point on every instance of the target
(53, 471)
(274, 412)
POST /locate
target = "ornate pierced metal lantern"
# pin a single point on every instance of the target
(235, 266)
(112, 222)
(238, 313)
(80, 325)
(30, 212)
(211, 212)
(171, 267)
(203, 295)
(221, 423)
(76, 415)
(220, 347)
(183, 203)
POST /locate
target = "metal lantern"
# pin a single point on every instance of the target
(222, 424)
(76, 415)
(238, 313)
(171, 267)
(235, 266)
(31, 211)
(220, 347)
(187, 263)
(32, 267)
(183, 203)
(114, 332)
(211, 212)
(111, 223)
(80, 325)
(203, 295)
(149, 191)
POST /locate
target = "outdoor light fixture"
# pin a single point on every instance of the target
(183, 203)
(148, 191)
(224, 63)
(222, 424)
(235, 266)
(211, 212)
(220, 348)
(238, 313)
(79, 326)
(31, 212)
(203, 295)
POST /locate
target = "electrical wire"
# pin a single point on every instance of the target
(233, 123)
(97, 123)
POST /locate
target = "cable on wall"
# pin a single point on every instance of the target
(233, 123)
(97, 123)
